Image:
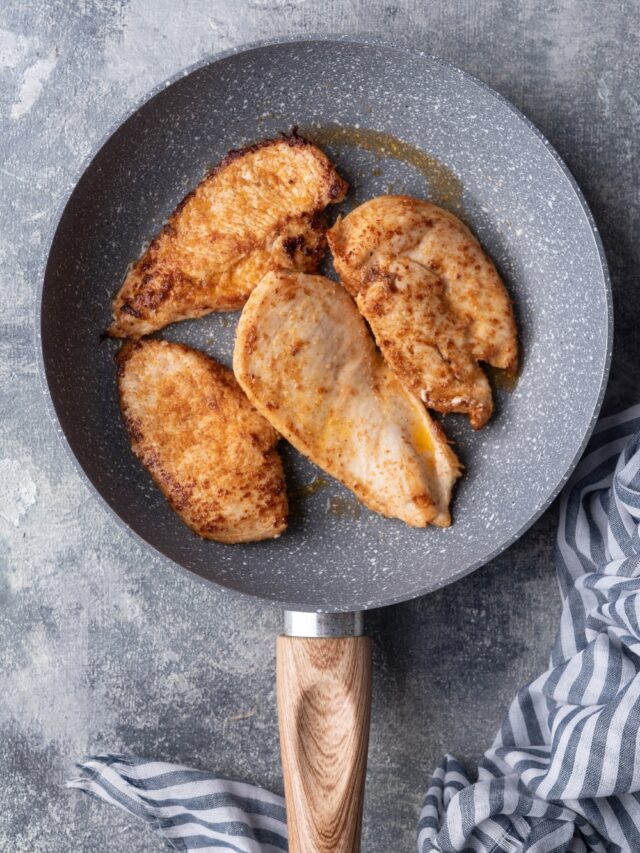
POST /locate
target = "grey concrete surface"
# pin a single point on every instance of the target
(103, 648)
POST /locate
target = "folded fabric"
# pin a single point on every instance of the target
(564, 771)
(190, 809)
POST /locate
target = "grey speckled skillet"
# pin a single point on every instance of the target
(510, 187)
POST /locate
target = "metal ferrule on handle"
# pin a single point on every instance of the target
(300, 624)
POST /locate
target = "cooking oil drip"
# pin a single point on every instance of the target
(341, 506)
(308, 489)
(344, 506)
(502, 378)
(444, 185)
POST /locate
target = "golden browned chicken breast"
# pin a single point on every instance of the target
(305, 358)
(425, 343)
(258, 210)
(394, 227)
(211, 454)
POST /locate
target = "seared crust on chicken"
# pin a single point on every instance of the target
(307, 362)
(259, 209)
(425, 343)
(211, 454)
(393, 227)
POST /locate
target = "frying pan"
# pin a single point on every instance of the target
(464, 147)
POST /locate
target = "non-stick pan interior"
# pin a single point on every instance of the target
(488, 165)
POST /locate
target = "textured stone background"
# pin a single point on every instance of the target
(103, 648)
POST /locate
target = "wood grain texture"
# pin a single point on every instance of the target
(324, 708)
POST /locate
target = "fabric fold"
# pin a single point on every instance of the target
(564, 771)
(190, 809)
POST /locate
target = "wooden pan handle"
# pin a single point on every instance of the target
(324, 708)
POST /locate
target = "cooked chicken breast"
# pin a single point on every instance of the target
(305, 358)
(212, 455)
(258, 210)
(393, 227)
(422, 340)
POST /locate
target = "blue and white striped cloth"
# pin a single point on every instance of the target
(564, 771)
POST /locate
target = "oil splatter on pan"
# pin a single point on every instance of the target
(392, 120)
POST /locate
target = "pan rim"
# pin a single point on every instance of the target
(402, 46)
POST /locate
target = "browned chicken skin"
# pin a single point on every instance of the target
(469, 318)
(211, 454)
(422, 340)
(259, 209)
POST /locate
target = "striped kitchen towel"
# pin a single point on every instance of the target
(564, 771)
